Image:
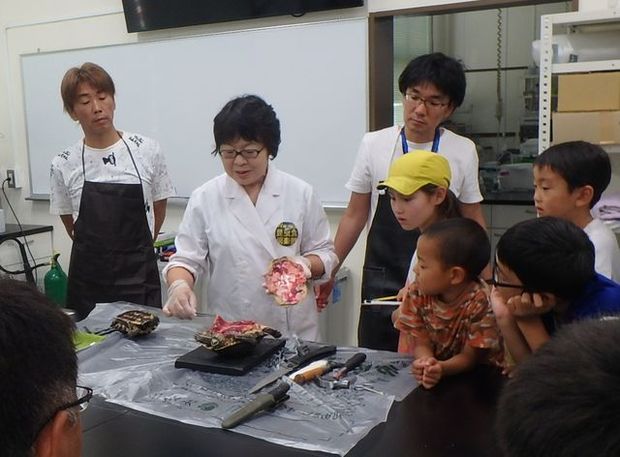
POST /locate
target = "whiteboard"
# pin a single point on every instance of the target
(314, 75)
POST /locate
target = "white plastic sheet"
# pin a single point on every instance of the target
(140, 374)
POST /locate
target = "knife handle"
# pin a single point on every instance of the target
(310, 374)
(260, 403)
(352, 362)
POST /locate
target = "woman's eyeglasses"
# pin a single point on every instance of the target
(231, 154)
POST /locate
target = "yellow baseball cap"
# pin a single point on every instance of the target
(416, 169)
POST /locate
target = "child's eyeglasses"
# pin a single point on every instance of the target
(496, 282)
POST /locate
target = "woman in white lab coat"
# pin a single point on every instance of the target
(236, 223)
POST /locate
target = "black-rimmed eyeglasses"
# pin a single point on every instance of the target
(496, 282)
(231, 154)
(416, 100)
(83, 395)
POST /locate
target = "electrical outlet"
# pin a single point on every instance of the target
(10, 174)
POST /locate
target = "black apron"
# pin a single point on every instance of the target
(112, 258)
(389, 249)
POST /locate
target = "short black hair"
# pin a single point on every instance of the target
(446, 73)
(580, 164)
(548, 254)
(564, 399)
(462, 243)
(38, 364)
(248, 117)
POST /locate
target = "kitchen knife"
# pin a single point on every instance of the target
(260, 403)
(306, 352)
(311, 371)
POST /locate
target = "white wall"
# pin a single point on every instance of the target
(46, 25)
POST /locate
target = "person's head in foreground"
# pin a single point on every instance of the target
(564, 401)
(40, 414)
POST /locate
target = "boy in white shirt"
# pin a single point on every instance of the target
(569, 179)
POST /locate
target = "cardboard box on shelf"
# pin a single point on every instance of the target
(598, 5)
(589, 92)
(599, 127)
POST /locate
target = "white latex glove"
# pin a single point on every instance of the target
(305, 264)
(181, 301)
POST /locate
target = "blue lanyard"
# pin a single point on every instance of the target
(434, 147)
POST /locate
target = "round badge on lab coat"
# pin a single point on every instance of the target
(286, 233)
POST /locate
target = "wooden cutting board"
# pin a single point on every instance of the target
(202, 359)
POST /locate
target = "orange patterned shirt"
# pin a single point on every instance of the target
(448, 327)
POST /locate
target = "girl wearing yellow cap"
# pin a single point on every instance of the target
(418, 186)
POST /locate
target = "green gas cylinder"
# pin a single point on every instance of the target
(55, 283)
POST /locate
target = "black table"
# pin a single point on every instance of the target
(455, 418)
(13, 233)
(13, 230)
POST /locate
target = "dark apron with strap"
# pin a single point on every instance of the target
(112, 258)
(389, 249)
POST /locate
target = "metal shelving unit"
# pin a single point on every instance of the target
(548, 68)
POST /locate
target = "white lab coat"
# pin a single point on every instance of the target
(232, 241)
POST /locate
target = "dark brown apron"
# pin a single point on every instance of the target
(112, 258)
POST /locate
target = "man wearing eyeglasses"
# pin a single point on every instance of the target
(41, 404)
(433, 86)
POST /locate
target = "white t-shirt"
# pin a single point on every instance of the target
(110, 165)
(410, 272)
(606, 252)
(379, 149)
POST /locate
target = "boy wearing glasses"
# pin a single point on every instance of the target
(433, 86)
(40, 399)
(569, 179)
(446, 310)
(544, 277)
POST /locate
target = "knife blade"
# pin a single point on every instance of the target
(306, 352)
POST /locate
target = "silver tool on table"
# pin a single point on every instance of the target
(306, 352)
(353, 362)
(337, 380)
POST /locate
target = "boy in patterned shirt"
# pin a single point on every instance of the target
(446, 310)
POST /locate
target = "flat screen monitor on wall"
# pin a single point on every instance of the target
(144, 15)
